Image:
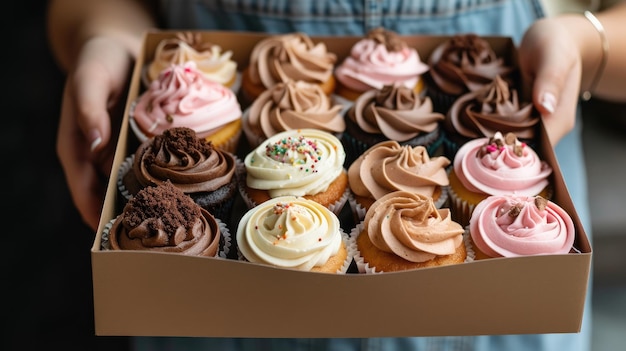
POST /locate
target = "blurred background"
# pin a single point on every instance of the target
(46, 255)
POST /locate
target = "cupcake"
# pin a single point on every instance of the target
(388, 166)
(295, 233)
(463, 63)
(481, 113)
(403, 231)
(499, 165)
(381, 58)
(217, 65)
(291, 105)
(285, 57)
(512, 226)
(392, 113)
(184, 97)
(164, 219)
(205, 173)
(303, 162)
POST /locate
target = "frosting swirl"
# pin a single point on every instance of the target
(396, 112)
(184, 97)
(388, 167)
(293, 56)
(294, 105)
(509, 226)
(501, 166)
(295, 162)
(216, 65)
(493, 108)
(289, 232)
(381, 58)
(190, 163)
(464, 63)
(410, 226)
(164, 219)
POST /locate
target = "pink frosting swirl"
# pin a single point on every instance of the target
(380, 59)
(293, 56)
(388, 167)
(294, 105)
(183, 97)
(493, 108)
(397, 112)
(410, 226)
(464, 63)
(501, 166)
(509, 226)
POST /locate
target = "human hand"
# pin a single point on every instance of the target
(550, 62)
(93, 101)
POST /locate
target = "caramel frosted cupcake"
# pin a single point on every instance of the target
(217, 65)
(403, 230)
(381, 58)
(164, 219)
(183, 97)
(494, 108)
(499, 165)
(291, 105)
(463, 63)
(511, 226)
(295, 233)
(303, 162)
(392, 113)
(191, 164)
(388, 166)
(287, 57)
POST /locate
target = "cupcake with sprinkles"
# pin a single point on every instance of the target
(302, 162)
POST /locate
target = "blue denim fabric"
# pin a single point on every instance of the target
(344, 17)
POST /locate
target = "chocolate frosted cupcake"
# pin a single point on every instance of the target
(392, 113)
(164, 219)
(192, 164)
(465, 62)
(291, 105)
(493, 108)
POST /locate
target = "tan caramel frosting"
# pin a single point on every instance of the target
(397, 112)
(388, 167)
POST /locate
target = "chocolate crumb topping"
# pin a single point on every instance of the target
(390, 39)
(541, 203)
(515, 210)
(180, 141)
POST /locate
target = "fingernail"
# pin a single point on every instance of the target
(96, 139)
(548, 102)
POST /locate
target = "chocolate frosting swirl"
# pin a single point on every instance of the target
(493, 108)
(163, 219)
(293, 56)
(464, 63)
(397, 112)
(192, 164)
(294, 105)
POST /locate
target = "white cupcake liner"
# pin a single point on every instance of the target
(122, 171)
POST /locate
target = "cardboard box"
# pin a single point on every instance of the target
(139, 293)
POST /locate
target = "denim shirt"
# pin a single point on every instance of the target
(345, 17)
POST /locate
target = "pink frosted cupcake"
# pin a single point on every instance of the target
(382, 58)
(499, 165)
(511, 226)
(183, 97)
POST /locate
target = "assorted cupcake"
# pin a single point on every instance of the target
(183, 97)
(287, 57)
(294, 233)
(498, 165)
(381, 58)
(403, 231)
(388, 166)
(291, 105)
(192, 164)
(512, 226)
(302, 162)
(392, 113)
(211, 60)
